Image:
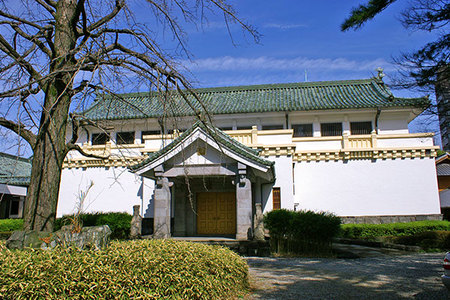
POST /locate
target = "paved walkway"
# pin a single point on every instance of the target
(377, 275)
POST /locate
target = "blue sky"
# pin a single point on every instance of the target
(303, 37)
(298, 37)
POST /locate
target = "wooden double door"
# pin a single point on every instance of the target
(216, 213)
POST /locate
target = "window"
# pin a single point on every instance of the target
(225, 128)
(100, 138)
(303, 130)
(14, 209)
(331, 129)
(149, 132)
(123, 138)
(272, 127)
(276, 198)
(244, 127)
(360, 128)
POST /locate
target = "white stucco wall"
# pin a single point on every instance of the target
(114, 190)
(284, 179)
(363, 187)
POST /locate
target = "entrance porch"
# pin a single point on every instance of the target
(204, 186)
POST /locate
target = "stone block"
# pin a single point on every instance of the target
(89, 238)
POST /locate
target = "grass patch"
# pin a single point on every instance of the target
(10, 224)
(144, 269)
(7, 226)
(372, 231)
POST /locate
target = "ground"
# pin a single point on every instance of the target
(375, 276)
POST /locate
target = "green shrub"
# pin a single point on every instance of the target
(119, 223)
(371, 231)
(144, 269)
(302, 231)
(427, 240)
(9, 225)
(279, 222)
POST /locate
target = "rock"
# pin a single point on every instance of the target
(95, 237)
(89, 238)
(28, 239)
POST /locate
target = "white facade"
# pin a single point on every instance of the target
(388, 172)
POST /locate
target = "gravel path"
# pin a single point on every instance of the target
(414, 276)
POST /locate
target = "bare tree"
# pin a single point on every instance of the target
(55, 54)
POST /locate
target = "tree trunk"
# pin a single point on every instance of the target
(443, 103)
(50, 148)
(42, 196)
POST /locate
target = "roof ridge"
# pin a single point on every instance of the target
(249, 87)
(298, 96)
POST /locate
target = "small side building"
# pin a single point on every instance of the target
(443, 175)
(15, 175)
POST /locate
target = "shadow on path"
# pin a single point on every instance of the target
(413, 276)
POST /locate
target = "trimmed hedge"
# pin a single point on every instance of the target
(10, 225)
(302, 231)
(428, 240)
(119, 223)
(370, 231)
(144, 269)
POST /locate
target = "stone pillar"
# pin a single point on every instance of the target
(136, 223)
(258, 223)
(161, 221)
(243, 204)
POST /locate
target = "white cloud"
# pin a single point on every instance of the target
(227, 63)
(284, 26)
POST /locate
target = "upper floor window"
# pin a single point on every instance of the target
(244, 127)
(272, 127)
(302, 130)
(225, 128)
(331, 129)
(99, 138)
(149, 132)
(360, 128)
(125, 138)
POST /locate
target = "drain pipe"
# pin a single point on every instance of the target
(377, 116)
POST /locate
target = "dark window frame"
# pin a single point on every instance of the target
(303, 133)
(125, 137)
(361, 128)
(244, 127)
(326, 129)
(14, 208)
(272, 127)
(100, 138)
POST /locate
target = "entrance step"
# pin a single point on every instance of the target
(245, 248)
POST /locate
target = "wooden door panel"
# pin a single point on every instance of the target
(216, 213)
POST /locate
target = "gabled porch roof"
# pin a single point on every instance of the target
(215, 138)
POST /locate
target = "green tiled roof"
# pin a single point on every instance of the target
(14, 170)
(219, 136)
(304, 96)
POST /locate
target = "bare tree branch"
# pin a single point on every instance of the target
(19, 129)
